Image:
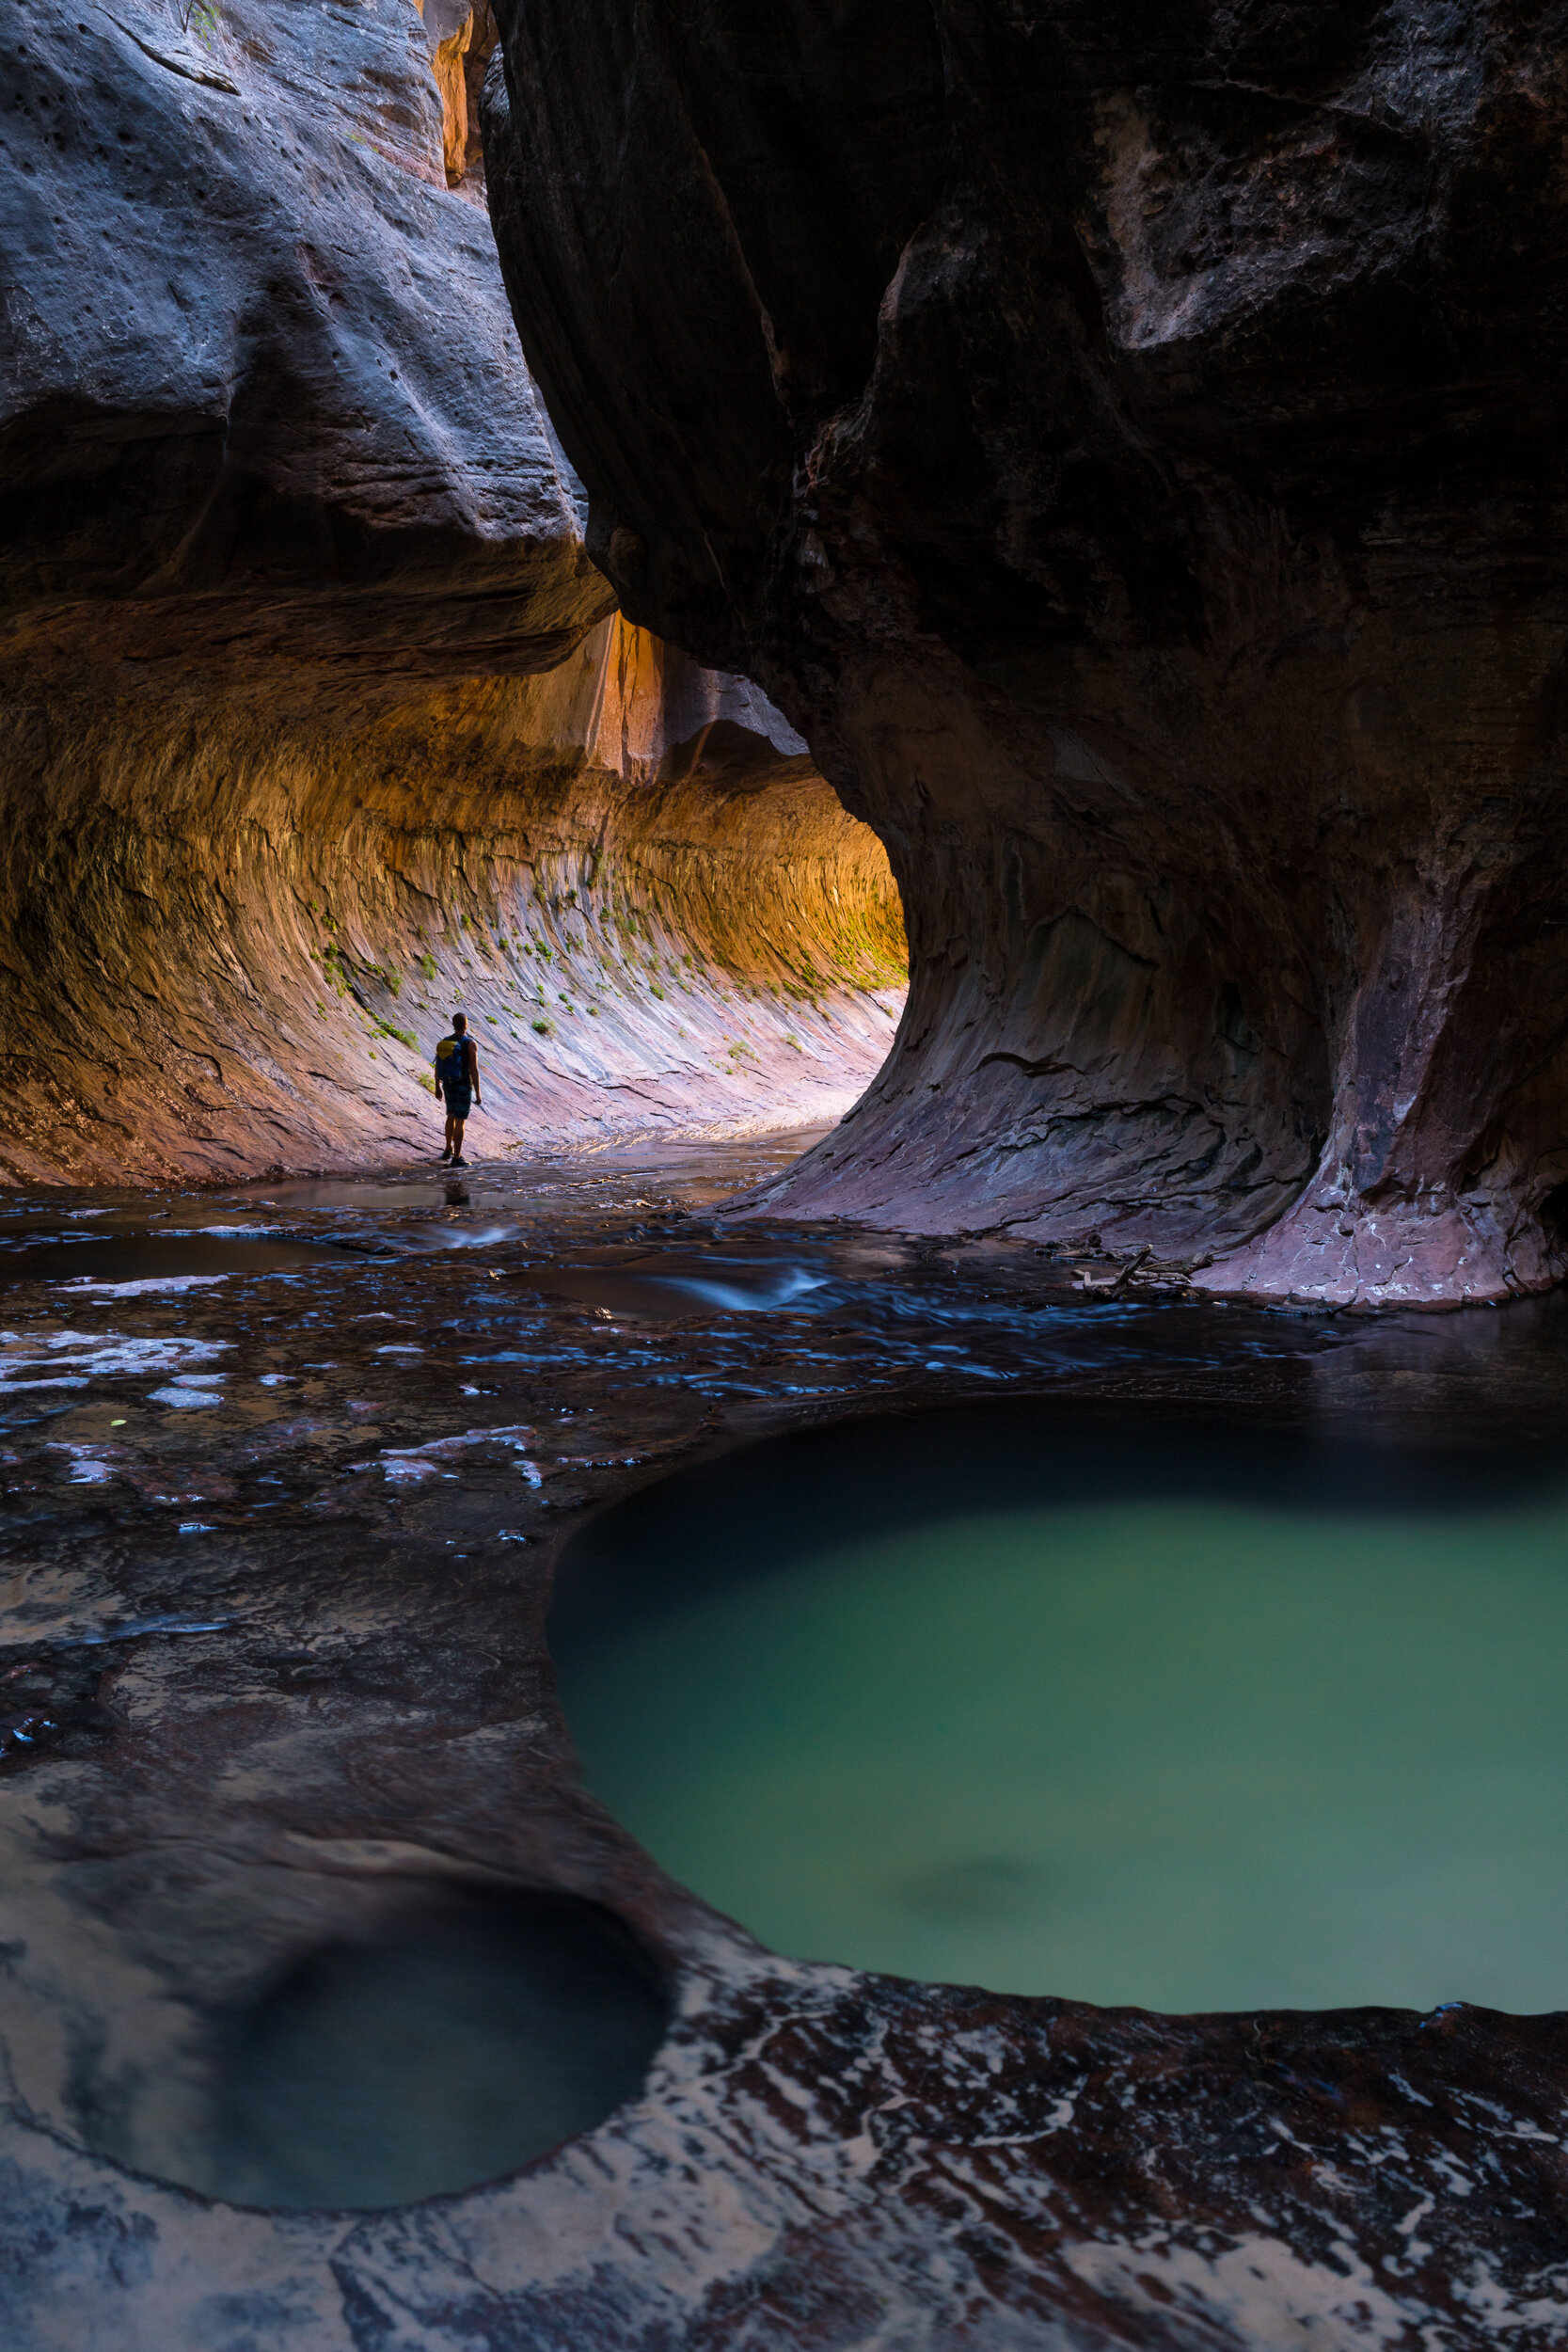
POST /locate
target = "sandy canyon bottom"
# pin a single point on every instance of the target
(946, 1608)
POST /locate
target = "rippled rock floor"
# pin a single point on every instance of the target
(287, 1470)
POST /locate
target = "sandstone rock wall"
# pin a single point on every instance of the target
(260, 407)
(1129, 444)
(230, 943)
(462, 40)
(314, 720)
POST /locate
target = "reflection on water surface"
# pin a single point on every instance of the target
(669, 1285)
(1164, 1715)
(102, 1259)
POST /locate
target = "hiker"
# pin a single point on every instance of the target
(457, 1078)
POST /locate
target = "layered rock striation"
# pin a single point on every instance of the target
(315, 717)
(1128, 444)
(263, 412)
(232, 939)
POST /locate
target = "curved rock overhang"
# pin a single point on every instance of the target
(231, 937)
(1128, 444)
(316, 721)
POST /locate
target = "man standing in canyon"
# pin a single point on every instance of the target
(457, 1078)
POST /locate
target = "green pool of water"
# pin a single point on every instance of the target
(1207, 1741)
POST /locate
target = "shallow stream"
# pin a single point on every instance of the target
(940, 1607)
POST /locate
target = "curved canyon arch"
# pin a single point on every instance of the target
(315, 717)
(1128, 445)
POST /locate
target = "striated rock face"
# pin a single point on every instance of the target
(314, 719)
(261, 403)
(1128, 443)
(241, 935)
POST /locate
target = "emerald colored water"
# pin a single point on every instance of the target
(1188, 1719)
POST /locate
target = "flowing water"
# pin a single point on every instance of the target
(92, 1261)
(1172, 1716)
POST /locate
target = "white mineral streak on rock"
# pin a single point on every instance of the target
(84, 1284)
(221, 1232)
(1409, 2223)
(1058, 2119)
(90, 1465)
(1503, 2313)
(410, 1465)
(70, 1358)
(1258, 2291)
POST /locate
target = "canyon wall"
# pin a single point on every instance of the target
(315, 718)
(1128, 445)
(231, 939)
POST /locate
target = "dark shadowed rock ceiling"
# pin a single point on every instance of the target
(1126, 441)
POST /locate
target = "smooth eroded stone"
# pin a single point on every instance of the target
(1128, 444)
(316, 715)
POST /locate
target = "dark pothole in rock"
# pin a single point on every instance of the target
(1165, 1712)
(447, 2047)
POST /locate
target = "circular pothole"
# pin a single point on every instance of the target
(447, 2050)
(1184, 1717)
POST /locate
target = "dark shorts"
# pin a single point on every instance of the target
(460, 1101)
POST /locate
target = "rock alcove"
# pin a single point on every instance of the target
(315, 718)
(1087, 485)
(1129, 444)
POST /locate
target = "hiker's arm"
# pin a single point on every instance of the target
(474, 1065)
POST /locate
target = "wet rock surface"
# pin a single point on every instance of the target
(315, 717)
(277, 1574)
(1128, 445)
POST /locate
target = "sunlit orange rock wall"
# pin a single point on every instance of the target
(315, 720)
(228, 942)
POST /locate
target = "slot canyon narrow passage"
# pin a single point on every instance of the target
(315, 718)
(242, 929)
(888, 1677)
